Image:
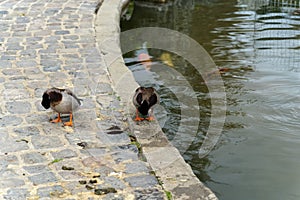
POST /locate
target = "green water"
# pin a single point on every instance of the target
(258, 154)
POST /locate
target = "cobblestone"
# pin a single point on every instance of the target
(52, 43)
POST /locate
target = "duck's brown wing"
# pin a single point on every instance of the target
(153, 99)
(55, 94)
(69, 92)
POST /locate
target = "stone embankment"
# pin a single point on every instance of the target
(54, 43)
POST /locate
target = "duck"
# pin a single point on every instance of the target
(62, 101)
(144, 100)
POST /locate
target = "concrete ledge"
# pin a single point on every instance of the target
(165, 160)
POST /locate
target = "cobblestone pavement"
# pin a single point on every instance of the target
(51, 43)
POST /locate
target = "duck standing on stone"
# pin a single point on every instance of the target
(63, 101)
(144, 99)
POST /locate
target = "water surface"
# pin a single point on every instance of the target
(258, 154)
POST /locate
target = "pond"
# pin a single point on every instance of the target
(257, 48)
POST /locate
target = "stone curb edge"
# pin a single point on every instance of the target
(165, 160)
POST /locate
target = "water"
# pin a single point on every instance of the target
(257, 156)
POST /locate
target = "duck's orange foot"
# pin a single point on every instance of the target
(68, 124)
(150, 118)
(138, 119)
(57, 120)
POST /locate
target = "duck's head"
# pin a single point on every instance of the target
(46, 101)
(49, 96)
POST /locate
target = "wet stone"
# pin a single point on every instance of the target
(17, 78)
(27, 131)
(104, 170)
(103, 88)
(103, 191)
(130, 147)
(49, 56)
(96, 59)
(37, 118)
(114, 138)
(15, 40)
(85, 115)
(32, 40)
(14, 146)
(72, 187)
(16, 193)
(96, 152)
(96, 67)
(37, 84)
(36, 169)
(10, 121)
(51, 39)
(149, 194)
(122, 156)
(22, 19)
(33, 158)
(42, 178)
(51, 191)
(18, 107)
(29, 53)
(34, 74)
(11, 183)
(73, 67)
(56, 78)
(51, 68)
(136, 167)
(14, 94)
(16, 85)
(50, 62)
(71, 175)
(144, 181)
(11, 72)
(8, 160)
(42, 33)
(51, 11)
(71, 37)
(38, 92)
(113, 196)
(14, 46)
(66, 153)
(81, 139)
(26, 63)
(43, 142)
(112, 182)
(17, 28)
(70, 61)
(61, 32)
(73, 46)
(3, 12)
(7, 57)
(3, 165)
(21, 34)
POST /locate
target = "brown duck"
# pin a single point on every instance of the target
(63, 101)
(144, 99)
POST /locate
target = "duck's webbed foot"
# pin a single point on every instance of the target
(137, 117)
(69, 123)
(57, 120)
(150, 118)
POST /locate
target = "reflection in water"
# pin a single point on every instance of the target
(257, 156)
